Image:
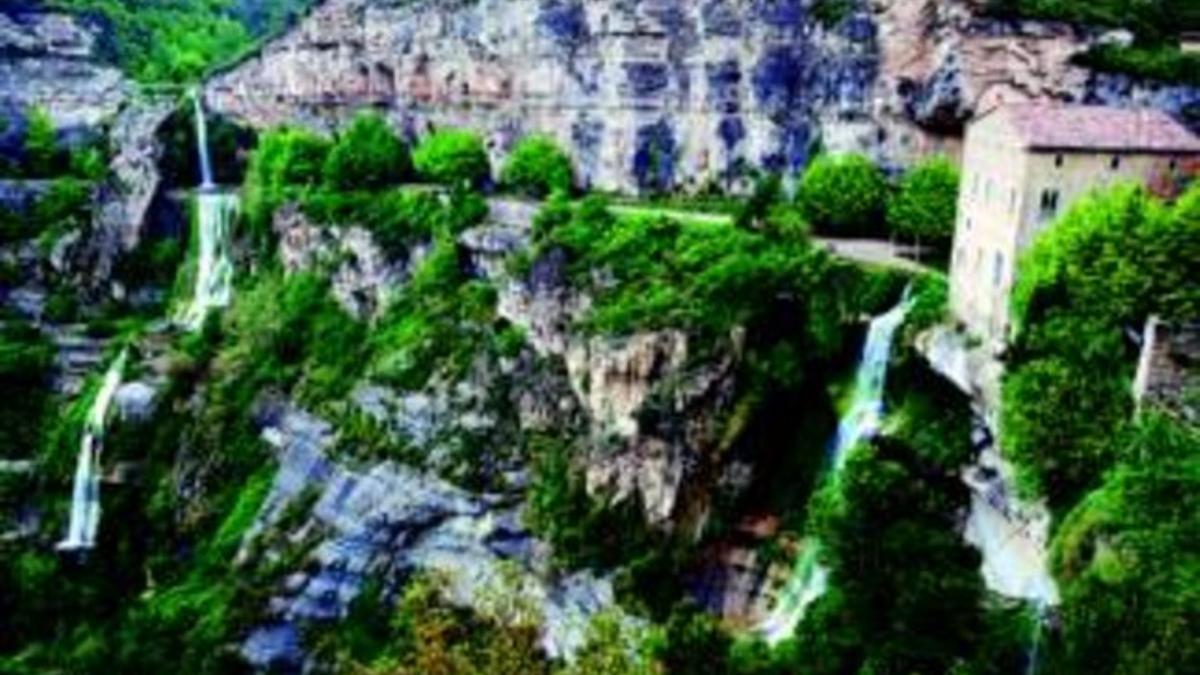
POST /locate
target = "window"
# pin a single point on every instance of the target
(1012, 200)
(1049, 204)
(1058, 161)
(1115, 163)
(1173, 165)
(997, 268)
(968, 223)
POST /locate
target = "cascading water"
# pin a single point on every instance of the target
(866, 409)
(206, 178)
(85, 497)
(810, 578)
(215, 214)
(1041, 616)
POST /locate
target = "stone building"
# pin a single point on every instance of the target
(1024, 165)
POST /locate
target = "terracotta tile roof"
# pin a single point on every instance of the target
(1056, 126)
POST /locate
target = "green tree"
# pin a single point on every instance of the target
(537, 166)
(452, 157)
(41, 143)
(923, 209)
(1127, 559)
(1113, 260)
(367, 156)
(844, 195)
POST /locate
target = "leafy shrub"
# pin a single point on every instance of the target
(41, 143)
(537, 166)
(367, 156)
(924, 207)
(767, 193)
(398, 219)
(25, 361)
(843, 195)
(285, 161)
(1165, 63)
(452, 157)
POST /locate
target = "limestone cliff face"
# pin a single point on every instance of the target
(49, 60)
(655, 93)
(645, 93)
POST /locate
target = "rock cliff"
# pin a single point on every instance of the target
(50, 60)
(656, 93)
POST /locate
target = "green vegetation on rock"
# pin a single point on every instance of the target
(453, 157)
(538, 167)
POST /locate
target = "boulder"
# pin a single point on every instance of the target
(136, 401)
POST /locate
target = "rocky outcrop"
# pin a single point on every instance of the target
(652, 415)
(389, 521)
(363, 277)
(657, 93)
(1011, 533)
(124, 197)
(50, 60)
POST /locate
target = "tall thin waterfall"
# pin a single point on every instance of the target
(215, 214)
(809, 578)
(206, 177)
(1040, 617)
(85, 497)
(866, 409)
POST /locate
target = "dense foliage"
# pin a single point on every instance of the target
(25, 358)
(181, 41)
(453, 157)
(924, 206)
(843, 195)
(1127, 558)
(1082, 285)
(538, 167)
(366, 156)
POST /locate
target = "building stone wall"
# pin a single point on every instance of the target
(1011, 193)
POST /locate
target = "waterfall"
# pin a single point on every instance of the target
(85, 497)
(206, 177)
(215, 214)
(214, 268)
(1040, 617)
(866, 409)
(809, 577)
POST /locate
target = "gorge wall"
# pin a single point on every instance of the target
(657, 93)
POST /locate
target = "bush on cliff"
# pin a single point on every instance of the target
(844, 195)
(287, 160)
(537, 166)
(367, 156)
(41, 144)
(453, 157)
(924, 207)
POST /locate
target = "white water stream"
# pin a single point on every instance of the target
(809, 578)
(215, 214)
(85, 496)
